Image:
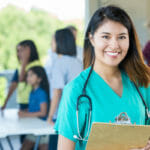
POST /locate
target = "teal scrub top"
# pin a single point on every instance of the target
(105, 102)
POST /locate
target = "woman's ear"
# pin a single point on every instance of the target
(91, 39)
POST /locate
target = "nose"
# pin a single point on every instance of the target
(114, 44)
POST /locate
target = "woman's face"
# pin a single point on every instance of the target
(19, 52)
(111, 43)
(23, 52)
(32, 78)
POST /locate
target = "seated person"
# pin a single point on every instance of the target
(38, 105)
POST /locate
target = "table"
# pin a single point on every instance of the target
(11, 124)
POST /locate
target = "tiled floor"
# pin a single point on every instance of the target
(15, 142)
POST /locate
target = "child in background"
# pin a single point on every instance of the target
(38, 104)
(28, 57)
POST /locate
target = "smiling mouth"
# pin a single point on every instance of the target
(112, 53)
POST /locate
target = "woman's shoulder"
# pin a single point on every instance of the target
(78, 82)
(144, 91)
(127, 78)
(63, 61)
(142, 88)
(73, 90)
(40, 92)
(33, 64)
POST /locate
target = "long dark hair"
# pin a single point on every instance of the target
(65, 42)
(133, 63)
(40, 72)
(33, 50)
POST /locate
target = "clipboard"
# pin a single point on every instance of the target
(109, 136)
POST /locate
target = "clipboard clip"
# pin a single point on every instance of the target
(122, 118)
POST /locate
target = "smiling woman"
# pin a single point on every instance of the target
(113, 65)
(111, 43)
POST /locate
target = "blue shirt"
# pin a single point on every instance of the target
(37, 97)
(105, 102)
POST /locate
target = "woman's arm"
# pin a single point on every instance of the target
(64, 143)
(54, 104)
(12, 88)
(41, 113)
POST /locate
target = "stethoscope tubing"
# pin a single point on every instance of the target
(83, 96)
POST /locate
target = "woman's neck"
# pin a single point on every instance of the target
(111, 75)
(34, 87)
(106, 72)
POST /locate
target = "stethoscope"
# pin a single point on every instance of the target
(84, 95)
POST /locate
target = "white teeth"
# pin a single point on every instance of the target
(112, 54)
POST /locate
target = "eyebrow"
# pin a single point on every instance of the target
(109, 33)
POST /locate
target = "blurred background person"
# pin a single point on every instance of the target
(65, 69)
(38, 105)
(146, 50)
(27, 56)
(74, 30)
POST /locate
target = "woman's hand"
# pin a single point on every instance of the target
(25, 55)
(22, 114)
(50, 121)
(147, 147)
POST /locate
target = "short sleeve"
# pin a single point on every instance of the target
(66, 119)
(42, 96)
(50, 61)
(15, 76)
(66, 124)
(58, 76)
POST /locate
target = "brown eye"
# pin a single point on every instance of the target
(122, 37)
(105, 37)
